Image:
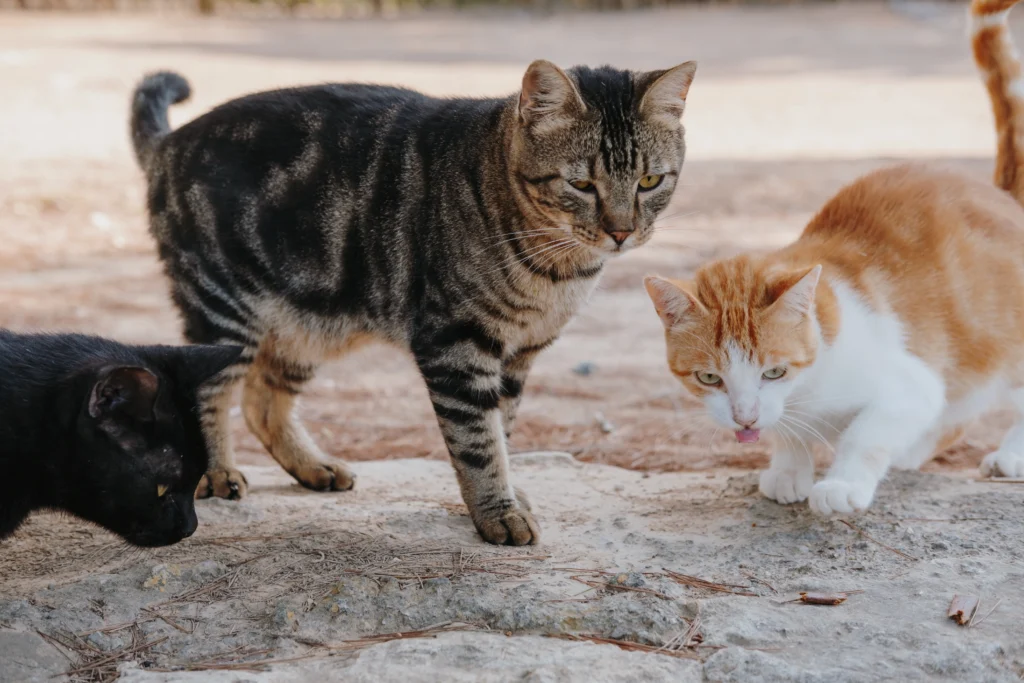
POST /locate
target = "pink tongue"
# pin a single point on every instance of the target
(748, 435)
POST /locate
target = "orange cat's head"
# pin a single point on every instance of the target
(739, 336)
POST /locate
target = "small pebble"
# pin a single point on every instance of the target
(584, 369)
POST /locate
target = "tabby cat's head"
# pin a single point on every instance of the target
(598, 151)
(738, 338)
(139, 450)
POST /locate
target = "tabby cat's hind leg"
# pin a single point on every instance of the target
(271, 392)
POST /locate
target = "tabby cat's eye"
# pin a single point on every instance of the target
(161, 490)
(582, 185)
(774, 373)
(649, 182)
(708, 378)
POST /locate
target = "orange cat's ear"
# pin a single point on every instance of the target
(671, 301)
(797, 290)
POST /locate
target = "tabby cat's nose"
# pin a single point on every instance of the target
(620, 237)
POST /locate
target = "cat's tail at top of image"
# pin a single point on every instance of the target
(152, 97)
(1000, 66)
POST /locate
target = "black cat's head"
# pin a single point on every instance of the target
(139, 450)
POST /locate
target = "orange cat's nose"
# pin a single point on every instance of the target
(620, 237)
(746, 416)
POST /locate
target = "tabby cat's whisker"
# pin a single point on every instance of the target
(512, 237)
(677, 214)
(529, 253)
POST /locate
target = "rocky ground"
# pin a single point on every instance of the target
(389, 582)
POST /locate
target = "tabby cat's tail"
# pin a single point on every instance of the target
(153, 96)
(996, 57)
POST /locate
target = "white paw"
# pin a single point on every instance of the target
(838, 496)
(786, 485)
(1003, 464)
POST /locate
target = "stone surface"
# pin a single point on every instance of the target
(26, 658)
(301, 575)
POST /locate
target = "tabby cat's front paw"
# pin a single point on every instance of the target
(787, 485)
(1003, 464)
(838, 496)
(513, 525)
(225, 482)
(325, 476)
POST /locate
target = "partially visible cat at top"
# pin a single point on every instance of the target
(104, 431)
(303, 223)
(895, 318)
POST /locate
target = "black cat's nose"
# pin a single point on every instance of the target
(620, 236)
(189, 524)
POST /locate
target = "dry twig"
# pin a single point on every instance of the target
(694, 582)
(625, 645)
(877, 542)
(987, 614)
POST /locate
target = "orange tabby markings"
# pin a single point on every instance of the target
(895, 318)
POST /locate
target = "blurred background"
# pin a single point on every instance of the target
(790, 102)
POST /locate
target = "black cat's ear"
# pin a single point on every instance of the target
(126, 390)
(198, 363)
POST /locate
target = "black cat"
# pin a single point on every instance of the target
(105, 431)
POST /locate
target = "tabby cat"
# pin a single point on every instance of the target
(895, 318)
(104, 431)
(303, 223)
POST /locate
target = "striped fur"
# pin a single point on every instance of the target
(303, 223)
(999, 63)
(894, 320)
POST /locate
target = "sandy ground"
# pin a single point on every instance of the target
(789, 104)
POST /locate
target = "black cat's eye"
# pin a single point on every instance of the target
(583, 185)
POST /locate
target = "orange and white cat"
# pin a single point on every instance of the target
(895, 319)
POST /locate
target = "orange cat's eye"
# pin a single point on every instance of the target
(649, 182)
(708, 378)
(775, 373)
(582, 185)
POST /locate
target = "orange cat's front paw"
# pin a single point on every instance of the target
(1003, 464)
(786, 485)
(838, 496)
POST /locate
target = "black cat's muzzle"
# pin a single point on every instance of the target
(175, 521)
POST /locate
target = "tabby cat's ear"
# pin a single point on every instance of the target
(666, 95)
(200, 362)
(126, 390)
(549, 98)
(795, 292)
(672, 302)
